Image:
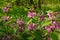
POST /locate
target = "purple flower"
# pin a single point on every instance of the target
(20, 28)
(50, 16)
(58, 25)
(20, 22)
(48, 28)
(8, 17)
(54, 24)
(5, 18)
(32, 27)
(5, 9)
(31, 14)
(41, 17)
(4, 38)
(48, 38)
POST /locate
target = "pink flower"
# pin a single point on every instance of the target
(8, 17)
(58, 26)
(54, 24)
(5, 9)
(48, 38)
(5, 18)
(32, 27)
(50, 16)
(20, 22)
(48, 28)
(31, 14)
(29, 27)
(4, 38)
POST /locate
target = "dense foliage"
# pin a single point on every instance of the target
(29, 20)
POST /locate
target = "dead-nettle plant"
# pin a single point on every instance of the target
(31, 26)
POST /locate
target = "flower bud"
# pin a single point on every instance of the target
(20, 22)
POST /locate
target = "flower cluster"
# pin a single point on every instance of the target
(48, 28)
(31, 26)
(31, 14)
(20, 22)
(7, 37)
(56, 24)
(5, 18)
(7, 8)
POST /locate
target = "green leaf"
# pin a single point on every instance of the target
(2, 26)
(46, 22)
(30, 38)
(29, 21)
(38, 34)
(54, 36)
